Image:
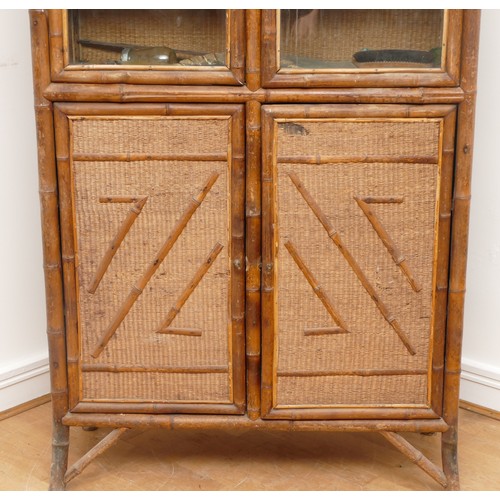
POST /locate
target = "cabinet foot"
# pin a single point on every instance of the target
(60, 447)
(449, 448)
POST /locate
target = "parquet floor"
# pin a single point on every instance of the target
(185, 460)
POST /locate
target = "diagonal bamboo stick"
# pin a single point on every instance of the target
(320, 293)
(202, 270)
(132, 215)
(153, 266)
(97, 450)
(398, 258)
(415, 456)
(333, 235)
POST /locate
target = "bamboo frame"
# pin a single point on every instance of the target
(52, 264)
(236, 93)
(459, 236)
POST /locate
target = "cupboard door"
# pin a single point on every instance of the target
(356, 212)
(361, 47)
(172, 46)
(152, 225)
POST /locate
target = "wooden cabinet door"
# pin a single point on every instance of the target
(356, 214)
(151, 200)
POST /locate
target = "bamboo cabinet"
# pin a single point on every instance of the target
(248, 226)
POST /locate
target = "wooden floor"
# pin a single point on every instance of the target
(246, 460)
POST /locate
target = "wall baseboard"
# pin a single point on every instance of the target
(480, 384)
(24, 382)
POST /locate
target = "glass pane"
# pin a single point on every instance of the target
(148, 37)
(321, 38)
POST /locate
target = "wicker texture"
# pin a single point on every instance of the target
(371, 342)
(358, 138)
(196, 30)
(152, 136)
(170, 186)
(345, 32)
(158, 387)
(353, 390)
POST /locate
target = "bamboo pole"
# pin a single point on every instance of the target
(149, 157)
(186, 293)
(325, 159)
(350, 373)
(153, 266)
(176, 421)
(318, 290)
(236, 146)
(237, 44)
(442, 261)
(253, 255)
(152, 408)
(51, 247)
(97, 367)
(253, 37)
(415, 456)
(334, 236)
(459, 236)
(268, 294)
(131, 93)
(106, 443)
(66, 218)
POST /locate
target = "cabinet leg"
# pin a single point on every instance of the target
(60, 448)
(449, 454)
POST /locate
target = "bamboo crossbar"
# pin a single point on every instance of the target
(97, 450)
(176, 421)
(192, 332)
(152, 369)
(333, 235)
(415, 456)
(152, 268)
(328, 159)
(324, 331)
(133, 213)
(130, 157)
(317, 289)
(349, 373)
(195, 280)
(398, 258)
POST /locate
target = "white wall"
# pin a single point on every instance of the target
(481, 350)
(23, 353)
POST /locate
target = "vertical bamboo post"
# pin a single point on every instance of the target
(51, 247)
(253, 49)
(441, 286)
(268, 259)
(237, 196)
(459, 236)
(253, 258)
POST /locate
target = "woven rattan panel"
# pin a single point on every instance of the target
(346, 363)
(202, 31)
(168, 188)
(350, 31)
